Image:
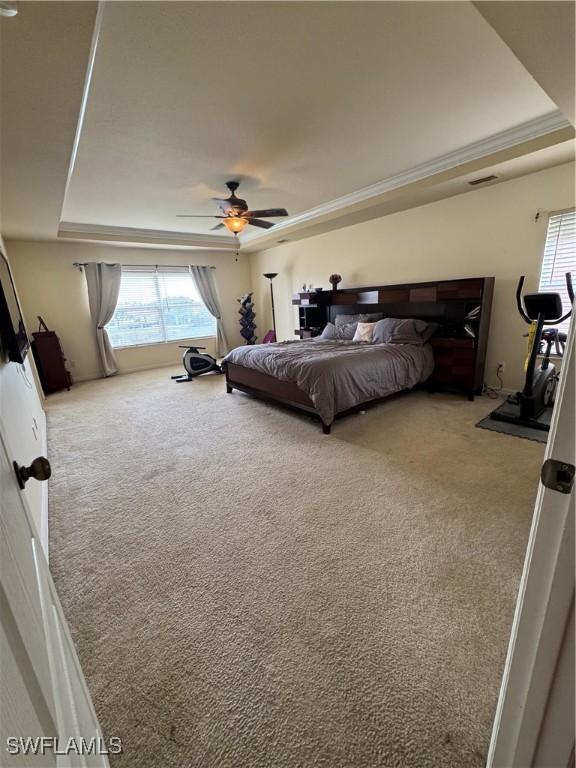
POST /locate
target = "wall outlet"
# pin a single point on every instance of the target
(500, 366)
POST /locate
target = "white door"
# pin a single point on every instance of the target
(45, 707)
(534, 723)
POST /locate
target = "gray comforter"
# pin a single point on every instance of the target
(338, 375)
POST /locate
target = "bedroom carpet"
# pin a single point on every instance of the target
(245, 592)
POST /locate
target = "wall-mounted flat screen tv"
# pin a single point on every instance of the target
(14, 340)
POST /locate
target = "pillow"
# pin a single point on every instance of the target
(361, 318)
(338, 332)
(364, 332)
(430, 330)
(393, 330)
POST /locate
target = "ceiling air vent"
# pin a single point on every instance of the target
(283, 241)
(483, 180)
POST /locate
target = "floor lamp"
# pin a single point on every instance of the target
(271, 276)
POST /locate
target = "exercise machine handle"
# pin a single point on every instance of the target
(519, 301)
(571, 295)
(569, 286)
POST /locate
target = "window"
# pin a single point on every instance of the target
(158, 305)
(559, 258)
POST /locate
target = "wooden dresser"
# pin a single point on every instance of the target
(50, 360)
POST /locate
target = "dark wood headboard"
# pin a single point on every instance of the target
(459, 356)
(446, 301)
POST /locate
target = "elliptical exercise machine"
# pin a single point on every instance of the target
(196, 363)
(528, 407)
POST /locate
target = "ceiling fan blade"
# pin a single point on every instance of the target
(197, 216)
(267, 212)
(218, 226)
(221, 201)
(260, 223)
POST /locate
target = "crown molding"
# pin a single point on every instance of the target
(554, 125)
(76, 231)
(539, 127)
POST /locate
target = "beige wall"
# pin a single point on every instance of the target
(51, 287)
(488, 231)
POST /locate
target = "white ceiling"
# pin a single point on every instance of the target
(310, 101)
(306, 102)
(542, 36)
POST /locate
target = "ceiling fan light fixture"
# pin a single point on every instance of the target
(235, 224)
(235, 214)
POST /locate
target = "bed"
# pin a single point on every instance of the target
(327, 377)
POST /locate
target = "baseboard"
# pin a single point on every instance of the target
(504, 391)
(154, 367)
(88, 377)
(123, 371)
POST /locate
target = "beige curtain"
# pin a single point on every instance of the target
(204, 280)
(103, 281)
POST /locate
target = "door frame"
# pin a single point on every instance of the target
(540, 636)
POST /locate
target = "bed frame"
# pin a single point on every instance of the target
(459, 358)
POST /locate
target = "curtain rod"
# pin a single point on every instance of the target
(81, 264)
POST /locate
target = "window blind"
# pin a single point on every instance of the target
(158, 305)
(559, 258)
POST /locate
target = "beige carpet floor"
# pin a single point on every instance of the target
(245, 592)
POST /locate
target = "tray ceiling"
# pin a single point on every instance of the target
(303, 102)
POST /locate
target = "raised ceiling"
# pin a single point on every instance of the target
(43, 56)
(310, 101)
(542, 36)
(305, 102)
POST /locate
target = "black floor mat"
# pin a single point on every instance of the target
(528, 433)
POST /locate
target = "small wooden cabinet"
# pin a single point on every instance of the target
(50, 361)
(454, 360)
(460, 348)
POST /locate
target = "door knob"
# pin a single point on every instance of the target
(40, 469)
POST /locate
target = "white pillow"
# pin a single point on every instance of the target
(364, 332)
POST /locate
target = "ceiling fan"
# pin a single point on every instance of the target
(236, 213)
